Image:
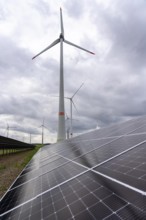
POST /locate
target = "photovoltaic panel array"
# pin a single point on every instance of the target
(98, 175)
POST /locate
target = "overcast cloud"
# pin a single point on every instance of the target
(114, 79)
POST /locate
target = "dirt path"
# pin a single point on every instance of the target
(10, 167)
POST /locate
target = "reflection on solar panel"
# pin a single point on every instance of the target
(98, 175)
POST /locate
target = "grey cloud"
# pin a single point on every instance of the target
(3, 13)
(111, 102)
(75, 8)
(13, 60)
(124, 26)
(41, 6)
(19, 105)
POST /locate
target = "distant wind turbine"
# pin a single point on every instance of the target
(8, 128)
(72, 103)
(61, 39)
(30, 138)
(43, 126)
(68, 127)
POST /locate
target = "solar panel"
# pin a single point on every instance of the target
(98, 175)
(129, 168)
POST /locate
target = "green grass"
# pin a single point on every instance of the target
(29, 156)
(11, 166)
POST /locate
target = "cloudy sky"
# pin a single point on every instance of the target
(114, 79)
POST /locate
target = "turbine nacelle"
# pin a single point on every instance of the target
(61, 36)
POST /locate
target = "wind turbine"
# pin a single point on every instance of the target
(68, 127)
(8, 128)
(72, 103)
(61, 39)
(43, 126)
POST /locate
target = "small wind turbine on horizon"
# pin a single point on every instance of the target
(43, 126)
(61, 122)
(72, 103)
(8, 128)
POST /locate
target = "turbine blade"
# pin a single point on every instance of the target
(46, 127)
(75, 106)
(61, 22)
(51, 45)
(77, 90)
(67, 98)
(64, 97)
(74, 45)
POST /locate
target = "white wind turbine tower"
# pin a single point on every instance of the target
(61, 39)
(72, 103)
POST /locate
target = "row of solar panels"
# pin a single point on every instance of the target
(98, 175)
(9, 143)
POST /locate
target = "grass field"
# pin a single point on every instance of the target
(11, 165)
